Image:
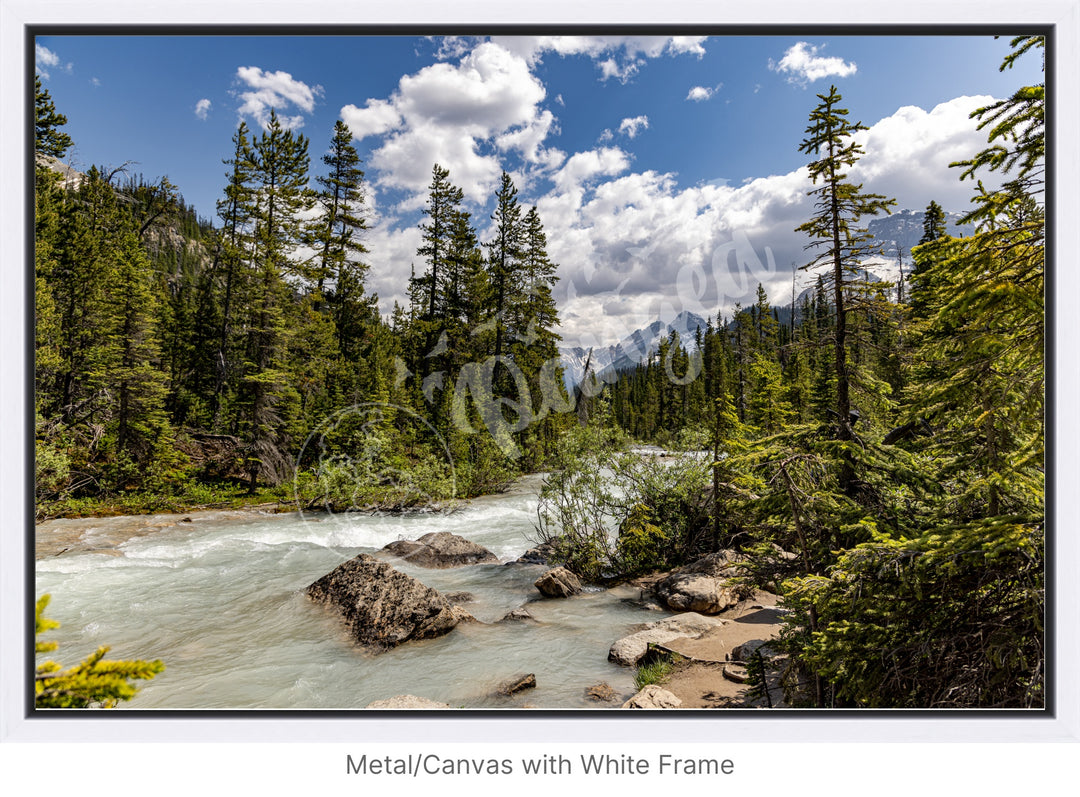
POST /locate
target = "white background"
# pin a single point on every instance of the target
(836, 756)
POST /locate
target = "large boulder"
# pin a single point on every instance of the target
(653, 696)
(631, 649)
(407, 701)
(705, 586)
(381, 606)
(441, 549)
(558, 583)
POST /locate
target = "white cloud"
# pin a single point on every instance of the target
(374, 119)
(631, 127)
(908, 153)
(202, 108)
(584, 166)
(802, 64)
(528, 138)
(636, 246)
(275, 90)
(95, 82)
(451, 47)
(482, 99)
(605, 136)
(46, 60)
(456, 115)
(610, 68)
(699, 94)
(617, 57)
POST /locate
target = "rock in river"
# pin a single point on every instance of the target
(381, 606)
(558, 583)
(441, 549)
(518, 683)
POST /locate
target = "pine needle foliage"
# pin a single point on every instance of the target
(96, 682)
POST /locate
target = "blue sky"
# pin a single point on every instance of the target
(666, 169)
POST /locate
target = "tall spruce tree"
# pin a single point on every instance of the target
(336, 235)
(49, 140)
(279, 177)
(504, 255)
(428, 292)
(838, 206)
(231, 268)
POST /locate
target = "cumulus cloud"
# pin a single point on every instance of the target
(584, 166)
(802, 65)
(637, 246)
(699, 94)
(279, 91)
(374, 119)
(46, 60)
(458, 115)
(202, 108)
(631, 127)
(482, 99)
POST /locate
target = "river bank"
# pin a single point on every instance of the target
(218, 595)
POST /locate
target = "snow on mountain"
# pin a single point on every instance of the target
(635, 348)
(901, 229)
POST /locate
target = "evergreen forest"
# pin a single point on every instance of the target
(876, 450)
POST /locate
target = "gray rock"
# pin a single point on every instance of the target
(407, 701)
(538, 555)
(653, 696)
(704, 586)
(518, 615)
(460, 597)
(558, 583)
(518, 683)
(746, 650)
(631, 649)
(382, 607)
(736, 673)
(441, 550)
(602, 693)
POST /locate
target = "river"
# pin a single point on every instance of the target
(220, 599)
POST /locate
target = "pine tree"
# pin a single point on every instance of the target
(947, 610)
(49, 140)
(279, 179)
(504, 255)
(428, 293)
(839, 205)
(933, 223)
(336, 234)
(94, 683)
(143, 435)
(231, 266)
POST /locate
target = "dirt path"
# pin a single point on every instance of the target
(699, 680)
